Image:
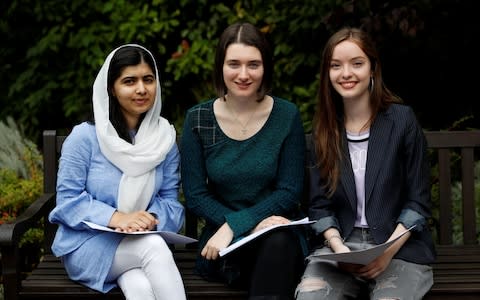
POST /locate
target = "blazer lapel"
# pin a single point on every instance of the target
(346, 174)
(379, 137)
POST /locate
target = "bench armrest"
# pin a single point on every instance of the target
(10, 236)
(11, 233)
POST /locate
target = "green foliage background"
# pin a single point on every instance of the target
(21, 171)
(52, 50)
(21, 176)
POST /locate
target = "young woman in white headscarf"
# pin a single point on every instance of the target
(121, 171)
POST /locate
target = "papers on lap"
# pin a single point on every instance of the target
(169, 236)
(362, 257)
(259, 233)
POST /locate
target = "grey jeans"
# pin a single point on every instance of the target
(401, 280)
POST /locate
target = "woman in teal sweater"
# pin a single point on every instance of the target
(242, 170)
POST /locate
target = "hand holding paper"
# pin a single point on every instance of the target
(168, 236)
(260, 232)
(358, 256)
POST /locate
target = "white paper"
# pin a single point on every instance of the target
(169, 236)
(359, 256)
(260, 232)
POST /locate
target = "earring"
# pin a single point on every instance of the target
(372, 82)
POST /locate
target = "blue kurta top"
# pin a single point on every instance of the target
(87, 187)
(242, 182)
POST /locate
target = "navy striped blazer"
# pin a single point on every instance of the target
(397, 186)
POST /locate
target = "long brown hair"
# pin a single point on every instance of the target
(329, 115)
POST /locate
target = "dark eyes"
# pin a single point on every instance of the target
(355, 64)
(334, 66)
(132, 80)
(251, 65)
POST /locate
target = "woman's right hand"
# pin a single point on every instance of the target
(134, 221)
(221, 239)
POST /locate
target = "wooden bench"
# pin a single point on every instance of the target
(456, 271)
(457, 268)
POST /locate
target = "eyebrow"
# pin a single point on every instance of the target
(353, 58)
(250, 61)
(133, 76)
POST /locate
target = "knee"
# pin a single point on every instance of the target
(157, 248)
(312, 288)
(155, 243)
(282, 241)
(135, 285)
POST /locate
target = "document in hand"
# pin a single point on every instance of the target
(254, 235)
(169, 236)
(362, 257)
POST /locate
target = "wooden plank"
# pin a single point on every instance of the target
(453, 139)
(468, 197)
(445, 195)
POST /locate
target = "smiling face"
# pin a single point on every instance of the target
(135, 90)
(350, 71)
(242, 70)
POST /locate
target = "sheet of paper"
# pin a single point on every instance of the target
(260, 232)
(168, 236)
(359, 256)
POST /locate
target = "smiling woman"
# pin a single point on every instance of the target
(242, 170)
(135, 91)
(121, 171)
(368, 180)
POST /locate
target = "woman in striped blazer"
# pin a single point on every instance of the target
(369, 181)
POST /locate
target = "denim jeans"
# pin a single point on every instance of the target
(401, 280)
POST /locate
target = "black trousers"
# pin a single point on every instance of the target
(269, 267)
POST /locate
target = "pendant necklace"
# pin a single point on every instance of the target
(244, 126)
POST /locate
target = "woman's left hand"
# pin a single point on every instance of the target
(134, 221)
(375, 267)
(379, 264)
(270, 221)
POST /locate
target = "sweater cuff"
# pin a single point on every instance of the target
(240, 222)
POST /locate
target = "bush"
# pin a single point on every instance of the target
(21, 176)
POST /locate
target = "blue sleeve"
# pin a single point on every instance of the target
(73, 203)
(410, 217)
(165, 205)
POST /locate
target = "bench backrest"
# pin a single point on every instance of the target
(453, 152)
(457, 156)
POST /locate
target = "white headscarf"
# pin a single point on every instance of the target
(153, 141)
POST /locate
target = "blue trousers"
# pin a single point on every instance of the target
(401, 280)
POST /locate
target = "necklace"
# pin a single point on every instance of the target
(244, 126)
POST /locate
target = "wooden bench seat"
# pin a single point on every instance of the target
(456, 270)
(50, 275)
(456, 273)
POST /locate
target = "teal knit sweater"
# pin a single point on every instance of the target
(242, 182)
